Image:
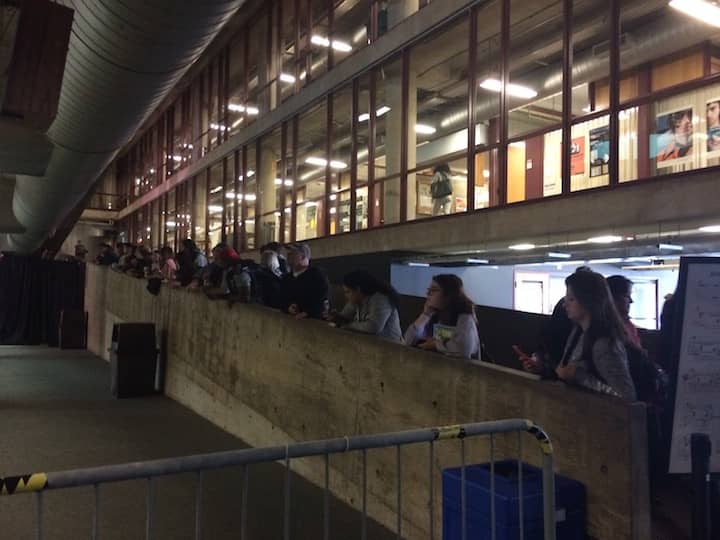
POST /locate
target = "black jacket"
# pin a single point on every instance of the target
(309, 291)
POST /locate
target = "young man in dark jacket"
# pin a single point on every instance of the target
(305, 288)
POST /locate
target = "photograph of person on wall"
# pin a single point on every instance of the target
(712, 117)
(674, 136)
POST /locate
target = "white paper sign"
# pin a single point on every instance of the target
(697, 403)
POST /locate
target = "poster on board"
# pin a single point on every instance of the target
(673, 138)
(697, 391)
(712, 123)
(577, 156)
(599, 151)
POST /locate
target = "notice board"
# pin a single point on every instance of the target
(697, 344)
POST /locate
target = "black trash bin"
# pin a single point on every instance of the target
(133, 360)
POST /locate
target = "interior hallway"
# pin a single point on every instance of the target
(56, 413)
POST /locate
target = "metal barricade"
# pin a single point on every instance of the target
(96, 476)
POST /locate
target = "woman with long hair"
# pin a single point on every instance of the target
(595, 355)
(448, 323)
(372, 307)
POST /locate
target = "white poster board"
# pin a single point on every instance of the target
(697, 397)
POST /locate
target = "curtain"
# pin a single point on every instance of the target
(33, 292)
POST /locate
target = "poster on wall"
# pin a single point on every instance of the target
(577, 156)
(424, 197)
(712, 119)
(673, 140)
(599, 151)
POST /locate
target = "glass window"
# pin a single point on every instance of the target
(350, 27)
(486, 179)
(270, 187)
(488, 53)
(170, 219)
(216, 205)
(438, 88)
(249, 195)
(535, 90)
(320, 40)
(388, 138)
(312, 167)
(199, 210)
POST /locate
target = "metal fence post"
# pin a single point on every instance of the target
(198, 506)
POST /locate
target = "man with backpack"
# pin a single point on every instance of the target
(441, 190)
(237, 284)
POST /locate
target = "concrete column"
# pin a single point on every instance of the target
(267, 189)
(267, 68)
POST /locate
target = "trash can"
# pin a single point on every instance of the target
(72, 329)
(133, 360)
(569, 503)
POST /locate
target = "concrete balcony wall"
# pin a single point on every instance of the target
(269, 380)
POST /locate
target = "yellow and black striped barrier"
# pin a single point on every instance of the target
(542, 437)
(27, 483)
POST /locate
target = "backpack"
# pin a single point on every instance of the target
(441, 186)
(652, 384)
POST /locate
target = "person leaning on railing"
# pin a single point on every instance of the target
(595, 356)
(372, 307)
(448, 323)
(305, 289)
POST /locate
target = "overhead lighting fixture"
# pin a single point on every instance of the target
(251, 197)
(237, 122)
(424, 129)
(333, 210)
(242, 108)
(320, 162)
(148, 229)
(170, 224)
(605, 239)
(217, 127)
(477, 261)
(418, 264)
(698, 9)
(215, 190)
(333, 197)
(338, 45)
(364, 117)
(710, 229)
(486, 173)
(612, 260)
(670, 247)
(515, 90)
(558, 255)
(287, 78)
(310, 204)
(230, 195)
(215, 208)
(522, 247)
(152, 171)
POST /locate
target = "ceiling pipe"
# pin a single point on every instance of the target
(123, 59)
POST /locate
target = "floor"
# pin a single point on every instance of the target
(56, 413)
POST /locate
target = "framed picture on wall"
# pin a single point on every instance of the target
(424, 197)
(599, 151)
(712, 123)
(577, 156)
(672, 142)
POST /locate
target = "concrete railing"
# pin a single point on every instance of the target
(269, 380)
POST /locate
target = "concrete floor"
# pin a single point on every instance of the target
(56, 413)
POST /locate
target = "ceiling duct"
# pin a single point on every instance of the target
(123, 59)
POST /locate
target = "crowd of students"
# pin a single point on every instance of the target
(589, 340)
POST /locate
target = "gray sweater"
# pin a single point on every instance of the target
(611, 363)
(375, 316)
(464, 341)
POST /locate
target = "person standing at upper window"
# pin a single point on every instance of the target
(371, 307)
(441, 190)
(305, 289)
(448, 323)
(595, 355)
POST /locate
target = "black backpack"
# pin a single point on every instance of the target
(652, 384)
(442, 187)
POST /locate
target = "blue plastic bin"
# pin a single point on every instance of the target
(569, 503)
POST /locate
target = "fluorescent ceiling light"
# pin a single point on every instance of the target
(170, 224)
(237, 122)
(699, 9)
(322, 41)
(364, 117)
(423, 265)
(710, 229)
(670, 247)
(333, 210)
(236, 108)
(612, 260)
(286, 77)
(522, 247)
(486, 173)
(152, 171)
(605, 239)
(148, 229)
(424, 129)
(515, 90)
(320, 162)
(477, 261)
(230, 195)
(310, 204)
(558, 255)
(215, 190)
(215, 208)
(333, 197)
(218, 127)
(250, 197)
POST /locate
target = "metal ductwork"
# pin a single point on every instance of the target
(123, 59)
